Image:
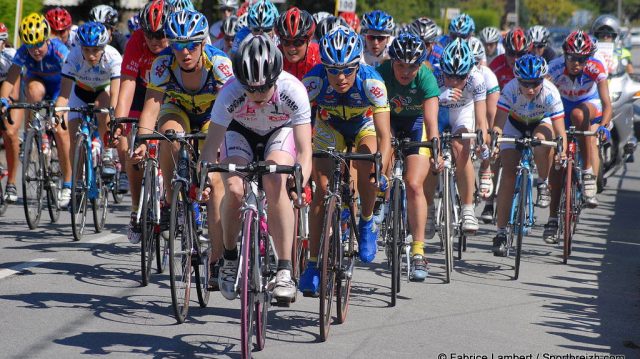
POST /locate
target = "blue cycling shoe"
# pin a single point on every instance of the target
(310, 280)
(367, 246)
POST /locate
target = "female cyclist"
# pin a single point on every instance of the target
(295, 30)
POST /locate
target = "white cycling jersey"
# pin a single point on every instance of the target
(585, 86)
(373, 60)
(289, 106)
(547, 104)
(6, 60)
(475, 89)
(92, 78)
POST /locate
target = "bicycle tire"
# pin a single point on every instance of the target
(54, 180)
(3, 202)
(118, 196)
(568, 211)
(100, 205)
(147, 248)
(446, 222)
(201, 269)
(79, 199)
(247, 295)
(296, 247)
(179, 253)
(522, 210)
(331, 229)
(262, 302)
(32, 179)
(395, 239)
(345, 261)
(162, 252)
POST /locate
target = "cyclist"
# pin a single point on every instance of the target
(529, 103)
(263, 105)
(261, 19)
(539, 36)
(295, 29)
(91, 74)
(108, 16)
(492, 41)
(142, 49)
(461, 26)
(581, 80)
(487, 178)
(184, 83)
(427, 29)
(227, 9)
(42, 57)
(327, 24)
(413, 95)
(377, 27)
(351, 98)
(463, 108)
(516, 44)
(606, 28)
(228, 31)
(61, 25)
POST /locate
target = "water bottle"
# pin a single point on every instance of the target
(161, 186)
(196, 213)
(345, 217)
(96, 147)
(46, 147)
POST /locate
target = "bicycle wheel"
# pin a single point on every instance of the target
(118, 196)
(247, 294)
(3, 202)
(53, 181)
(79, 188)
(100, 204)
(262, 275)
(446, 224)
(395, 241)
(148, 240)
(162, 251)
(568, 211)
(520, 220)
(330, 230)
(200, 259)
(344, 255)
(32, 176)
(179, 253)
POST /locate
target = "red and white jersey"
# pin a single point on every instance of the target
(503, 71)
(584, 86)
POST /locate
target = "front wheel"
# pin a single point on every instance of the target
(79, 189)
(395, 242)
(520, 220)
(330, 229)
(179, 253)
(32, 179)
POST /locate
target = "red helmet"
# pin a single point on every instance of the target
(579, 43)
(295, 24)
(352, 19)
(517, 41)
(59, 19)
(4, 33)
(153, 15)
(244, 8)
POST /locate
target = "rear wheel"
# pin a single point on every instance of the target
(330, 230)
(79, 188)
(149, 243)
(247, 294)
(54, 181)
(520, 220)
(179, 253)
(201, 264)
(447, 220)
(344, 265)
(568, 211)
(395, 242)
(32, 179)
(118, 196)
(101, 203)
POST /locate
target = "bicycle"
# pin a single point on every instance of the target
(521, 218)
(189, 250)
(87, 183)
(300, 248)
(41, 170)
(571, 200)
(256, 269)
(447, 215)
(338, 239)
(394, 227)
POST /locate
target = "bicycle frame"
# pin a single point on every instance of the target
(523, 169)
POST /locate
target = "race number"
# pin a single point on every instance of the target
(346, 5)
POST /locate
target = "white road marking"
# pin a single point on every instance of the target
(4, 273)
(105, 239)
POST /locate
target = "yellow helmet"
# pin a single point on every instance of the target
(34, 29)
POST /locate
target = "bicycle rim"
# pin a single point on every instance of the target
(327, 272)
(247, 296)
(262, 302)
(568, 212)
(179, 254)
(100, 204)
(202, 267)
(446, 222)
(32, 175)
(344, 265)
(522, 209)
(147, 250)
(54, 182)
(79, 189)
(395, 242)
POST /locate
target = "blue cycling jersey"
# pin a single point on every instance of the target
(51, 65)
(434, 57)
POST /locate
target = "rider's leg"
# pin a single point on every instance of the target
(12, 139)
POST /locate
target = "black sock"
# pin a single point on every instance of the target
(284, 264)
(230, 254)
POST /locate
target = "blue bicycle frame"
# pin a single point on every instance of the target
(88, 130)
(524, 169)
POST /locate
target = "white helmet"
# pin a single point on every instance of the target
(490, 35)
(227, 4)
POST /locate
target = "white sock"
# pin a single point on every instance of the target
(468, 208)
(589, 171)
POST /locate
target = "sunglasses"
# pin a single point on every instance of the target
(516, 54)
(379, 38)
(257, 89)
(530, 84)
(190, 46)
(261, 30)
(578, 59)
(335, 71)
(540, 45)
(294, 42)
(456, 77)
(158, 35)
(603, 34)
(35, 46)
(229, 38)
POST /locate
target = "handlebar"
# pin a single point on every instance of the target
(170, 135)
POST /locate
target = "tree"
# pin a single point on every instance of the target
(549, 12)
(8, 12)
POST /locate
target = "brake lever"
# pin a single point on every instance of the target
(204, 171)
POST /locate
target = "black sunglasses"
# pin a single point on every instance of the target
(530, 84)
(158, 35)
(516, 54)
(257, 89)
(456, 77)
(577, 58)
(294, 42)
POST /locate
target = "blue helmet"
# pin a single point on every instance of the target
(457, 58)
(186, 25)
(408, 48)
(262, 15)
(341, 47)
(377, 20)
(462, 25)
(133, 23)
(93, 34)
(530, 67)
(179, 5)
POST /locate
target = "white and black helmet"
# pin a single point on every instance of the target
(230, 26)
(243, 21)
(320, 15)
(477, 48)
(490, 35)
(424, 27)
(539, 35)
(104, 14)
(222, 4)
(258, 62)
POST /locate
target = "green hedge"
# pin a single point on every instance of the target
(484, 18)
